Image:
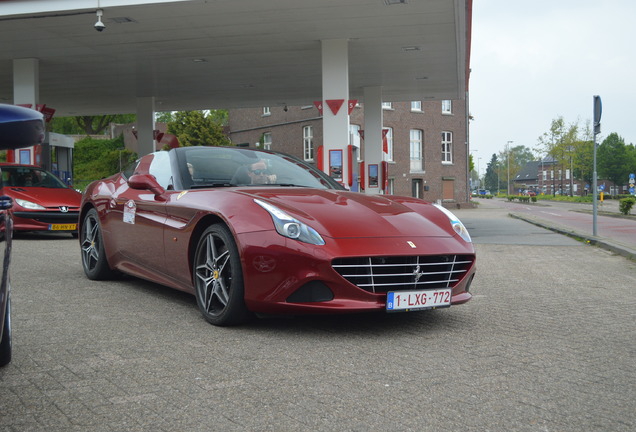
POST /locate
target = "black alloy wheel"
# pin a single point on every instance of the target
(218, 278)
(94, 260)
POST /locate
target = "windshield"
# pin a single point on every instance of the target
(30, 177)
(231, 166)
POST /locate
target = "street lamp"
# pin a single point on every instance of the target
(508, 157)
(478, 174)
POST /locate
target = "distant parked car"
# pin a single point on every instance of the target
(41, 201)
(19, 127)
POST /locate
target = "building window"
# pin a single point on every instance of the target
(354, 139)
(416, 106)
(416, 188)
(389, 143)
(308, 143)
(387, 105)
(447, 107)
(416, 141)
(447, 147)
(266, 111)
(267, 140)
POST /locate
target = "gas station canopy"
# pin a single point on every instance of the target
(198, 54)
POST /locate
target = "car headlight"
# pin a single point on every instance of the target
(457, 225)
(290, 227)
(29, 205)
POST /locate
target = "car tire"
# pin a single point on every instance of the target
(5, 342)
(94, 259)
(218, 278)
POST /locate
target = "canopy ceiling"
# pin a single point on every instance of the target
(198, 54)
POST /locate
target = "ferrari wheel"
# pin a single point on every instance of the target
(218, 278)
(5, 343)
(93, 256)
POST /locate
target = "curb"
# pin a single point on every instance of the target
(602, 242)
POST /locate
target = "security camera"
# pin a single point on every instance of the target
(99, 25)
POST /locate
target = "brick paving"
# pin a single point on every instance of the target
(547, 344)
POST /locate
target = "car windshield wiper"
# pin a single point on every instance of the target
(210, 185)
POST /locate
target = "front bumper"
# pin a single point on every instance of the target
(286, 276)
(45, 220)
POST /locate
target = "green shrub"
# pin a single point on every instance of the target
(94, 159)
(625, 205)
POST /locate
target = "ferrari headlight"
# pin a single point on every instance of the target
(29, 205)
(457, 225)
(290, 227)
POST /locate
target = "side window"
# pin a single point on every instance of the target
(160, 168)
(130, 169)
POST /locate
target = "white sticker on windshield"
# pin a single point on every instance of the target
(129, 212)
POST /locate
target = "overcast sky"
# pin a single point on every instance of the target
(533, 61)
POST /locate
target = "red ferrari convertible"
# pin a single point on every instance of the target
(249, 231)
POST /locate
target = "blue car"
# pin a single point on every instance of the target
(19, 127)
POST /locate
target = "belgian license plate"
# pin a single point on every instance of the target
(63, 227)
(414, 300)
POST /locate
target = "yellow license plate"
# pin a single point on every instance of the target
(63, 227)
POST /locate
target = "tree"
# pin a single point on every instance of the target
(492, 176)
(198, 128)
(94, 159)
(88, 125)
(513, 161)
(560, 144)
(615, 159)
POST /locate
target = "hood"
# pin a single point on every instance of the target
(342, 214)
(46, 197)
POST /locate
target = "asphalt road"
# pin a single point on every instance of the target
(547, 344)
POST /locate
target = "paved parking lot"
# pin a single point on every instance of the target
(547, 344)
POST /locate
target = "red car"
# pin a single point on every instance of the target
(250, 231)
(41, 201)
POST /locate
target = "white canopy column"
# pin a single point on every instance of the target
(26, 81)
(335, 101)
(145, 125)
(373, 153)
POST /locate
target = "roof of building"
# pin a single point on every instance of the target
(529, 172)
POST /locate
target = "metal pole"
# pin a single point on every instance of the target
(595, 192)
(508, 152)
(597, 130)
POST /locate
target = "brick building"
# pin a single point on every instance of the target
(426, 142)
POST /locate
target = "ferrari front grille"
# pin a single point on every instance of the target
(395, 273)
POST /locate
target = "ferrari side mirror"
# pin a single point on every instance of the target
(146, 182)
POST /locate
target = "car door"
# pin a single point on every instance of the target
(138, 218)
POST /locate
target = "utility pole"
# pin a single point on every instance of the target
(508, 157)
(598, 109)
